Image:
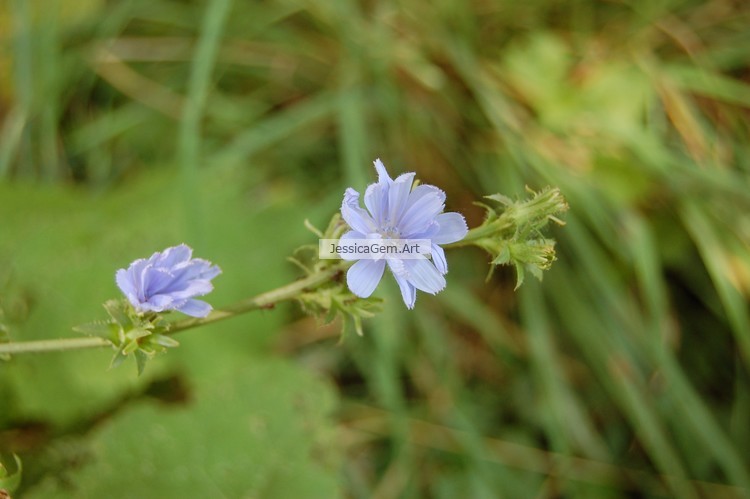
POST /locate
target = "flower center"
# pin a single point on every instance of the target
(390, 232)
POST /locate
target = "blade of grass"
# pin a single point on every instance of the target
(602, 332)
(351, 121)
(695, 413)
(568, 424)
(709, 244)
(276, 128)
(371, 420)
(24, 79)
(437, 342)
(50, 75)
(189, 135)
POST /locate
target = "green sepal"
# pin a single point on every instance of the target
(520, 275)
(131, 333)
(136, 333)
(309, 226)
(335, 300)
(121, 312)
(503, 258)
(130, 347)
(165, 341)
(117, 359)
(102, 329)
(500, 198)
(512, 231)
(140, 361)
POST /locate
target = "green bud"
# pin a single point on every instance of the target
(512, 231)
(141, 335)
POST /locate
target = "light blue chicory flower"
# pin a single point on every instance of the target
(396, 211)
(169, 280)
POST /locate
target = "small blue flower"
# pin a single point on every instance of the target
(169, 280)
(396, 211)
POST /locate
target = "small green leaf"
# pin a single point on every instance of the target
(10, 471)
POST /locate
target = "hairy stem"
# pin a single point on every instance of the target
(264, 300)
(53, 345)
(485, 230)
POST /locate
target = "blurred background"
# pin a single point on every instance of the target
(131, 126)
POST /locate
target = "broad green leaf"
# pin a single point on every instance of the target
(261, 431)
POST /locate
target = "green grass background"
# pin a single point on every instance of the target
(131, 126)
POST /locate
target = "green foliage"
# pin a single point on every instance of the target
(235, 439)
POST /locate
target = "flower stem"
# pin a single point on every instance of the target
(53, 345)
(484, 230)
(265, 300)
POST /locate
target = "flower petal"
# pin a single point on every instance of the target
(196, 268)
(408, 292)
(397, 266)
(423, 275)
(125, 283)
(135, 274)
(452, 228)
(429, 233)
(398, 197)
(208, 270)
(352, 234)
(195, 287)
(357, 218)
(159, 303)
(376, 201)
(425, 203)
(383, 177)
(156, 281)
(195, 308)
(363, 277)
(438, 258)
(174, 255)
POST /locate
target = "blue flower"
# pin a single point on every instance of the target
(396, 211)
(169, 280)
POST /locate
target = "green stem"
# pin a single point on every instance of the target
(265, 300)
(485, 230)
(53, 345)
